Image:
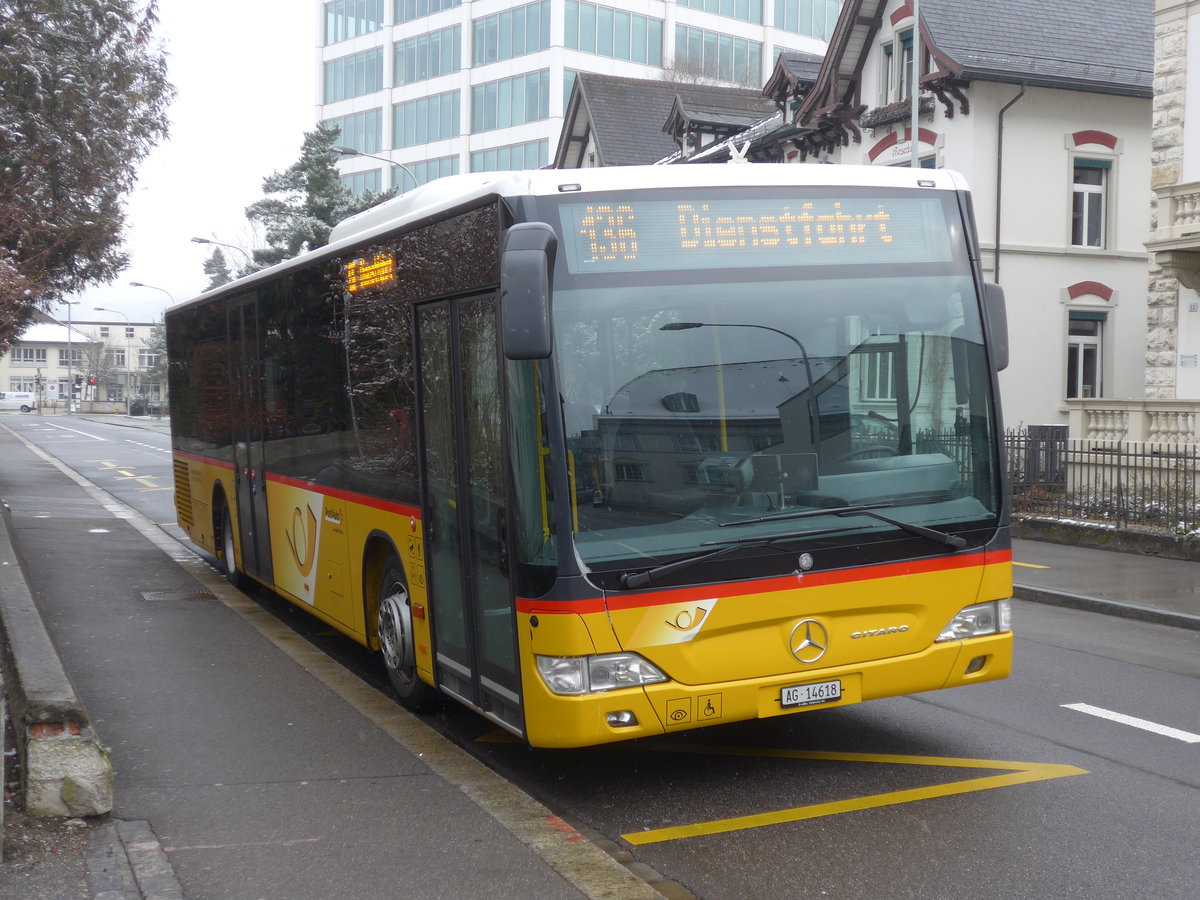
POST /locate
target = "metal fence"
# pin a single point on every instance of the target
(1120, 483)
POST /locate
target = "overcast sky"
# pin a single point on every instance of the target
(246, 80)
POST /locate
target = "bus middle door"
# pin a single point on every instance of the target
(464, 479)
(248, 431)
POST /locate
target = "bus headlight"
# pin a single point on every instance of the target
(975, 621)
(592, 674)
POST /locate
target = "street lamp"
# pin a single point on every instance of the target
(70, 356)
(128, 364)
(153, 288)
(687, 326)
(350, 151)
(200, 240)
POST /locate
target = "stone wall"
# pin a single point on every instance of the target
(1170, 83)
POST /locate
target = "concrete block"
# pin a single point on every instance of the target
(66, 774)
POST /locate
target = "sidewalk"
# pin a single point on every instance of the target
(247, 764)
(1166, 591)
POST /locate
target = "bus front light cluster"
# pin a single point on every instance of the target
(594, 674)
(978, 620)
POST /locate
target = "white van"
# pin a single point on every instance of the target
(22, 400)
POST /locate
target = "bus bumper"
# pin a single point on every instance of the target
(555, 721)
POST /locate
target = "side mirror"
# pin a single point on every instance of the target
(997, 316)
(526, 267)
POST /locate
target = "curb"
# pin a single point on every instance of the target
(1106, 607)
(125, 861)
(64, 769)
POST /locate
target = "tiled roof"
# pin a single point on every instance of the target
(1103, 45)
(627, 114)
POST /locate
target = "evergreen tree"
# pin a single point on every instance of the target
(83, 98)
(305, 201)
(216, 270)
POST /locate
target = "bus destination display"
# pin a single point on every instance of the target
(651, 235)
(362, 273)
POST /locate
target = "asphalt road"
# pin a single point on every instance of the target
(1023, 788)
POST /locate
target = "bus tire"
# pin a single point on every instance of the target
(226, 554)
(396, 642)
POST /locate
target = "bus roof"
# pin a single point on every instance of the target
(457, 191)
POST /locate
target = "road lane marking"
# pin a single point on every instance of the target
(1029, 565)
(76, 431)
(1017, 773)
(1144, 724)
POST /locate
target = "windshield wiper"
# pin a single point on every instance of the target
(866, 509)
(631, 580)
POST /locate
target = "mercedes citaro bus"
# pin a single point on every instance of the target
(616, 452)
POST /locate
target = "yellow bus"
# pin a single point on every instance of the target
(618, 452)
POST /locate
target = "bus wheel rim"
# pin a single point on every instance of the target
(395, 634)
(227, 545)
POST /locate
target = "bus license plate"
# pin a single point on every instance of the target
(810, 694)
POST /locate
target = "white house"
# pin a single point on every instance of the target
(1045, 107)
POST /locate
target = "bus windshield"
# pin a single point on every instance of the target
(774, 363)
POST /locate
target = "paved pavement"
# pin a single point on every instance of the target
(242, 773)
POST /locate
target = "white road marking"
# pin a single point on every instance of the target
(1164, 730)
(76, 431)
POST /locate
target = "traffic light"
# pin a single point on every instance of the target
(78, 380)
(91, 379)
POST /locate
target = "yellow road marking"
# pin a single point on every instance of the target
(1030, 565)
(1018, 773)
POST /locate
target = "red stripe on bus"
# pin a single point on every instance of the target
(192, 457)
(786, 582)
(337, 493)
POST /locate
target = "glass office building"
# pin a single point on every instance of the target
(448, 86)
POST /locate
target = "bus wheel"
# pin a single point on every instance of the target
(227, 557)
(396, 644)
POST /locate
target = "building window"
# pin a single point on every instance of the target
(816, 18)
(129, 333)
(629, 472)
(428, 55)
(426, 119)
(354, 75)
(530, 155)
(718, 55)
(1085, 337)
(362, 131)
(510, 101)
(104, 331)
(147, 359)
(1089, 202)
(512, 33)
(359, 183)
(746, 10)
(895, 69)
(29, 356)
(425, 170)
(345, 19)
(407, 10)
(115, 358)
(877, 373)
(613, 33)
(73, 357)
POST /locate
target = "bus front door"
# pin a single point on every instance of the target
(246, 421)
(464, 478)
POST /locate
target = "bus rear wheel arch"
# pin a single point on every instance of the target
(397, 643)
